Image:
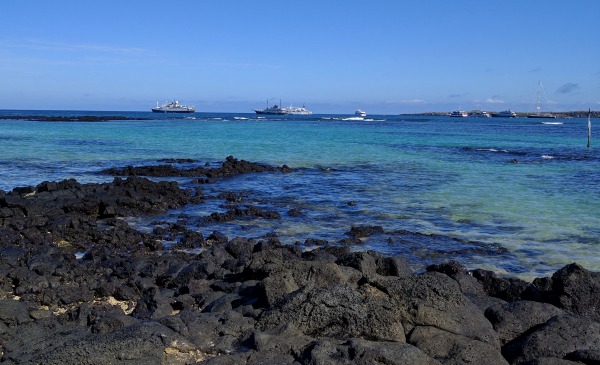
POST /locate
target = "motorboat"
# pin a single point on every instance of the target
(459, 113)
(173, 107)
(505, 114)
(480, 114)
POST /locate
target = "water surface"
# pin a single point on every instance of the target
(453, 177)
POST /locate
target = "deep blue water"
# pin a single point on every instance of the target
(450, 182)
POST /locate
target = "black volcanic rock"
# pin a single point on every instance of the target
(574, 289)
(365, 231)
(231, 166)
(248, 211)
(560, 336)
(79, 286)
(79, 118)
(67, 212)
(511, 320)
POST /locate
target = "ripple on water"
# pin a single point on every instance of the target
(429, 175)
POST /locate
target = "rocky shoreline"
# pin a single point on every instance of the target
(78, 285)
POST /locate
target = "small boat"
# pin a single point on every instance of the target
(537, 100)
(505, 114)
(542, 115)
(480, 114)
(274, 110)
(360, 113)
(459, 113)
(297, 110)
(173, 107)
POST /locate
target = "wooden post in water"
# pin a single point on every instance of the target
(589, 127)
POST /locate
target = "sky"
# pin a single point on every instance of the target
(385, 57)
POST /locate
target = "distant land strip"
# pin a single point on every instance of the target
(105, 118)
(572, 114)
(80, 118)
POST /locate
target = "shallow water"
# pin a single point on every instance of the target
(430, 175)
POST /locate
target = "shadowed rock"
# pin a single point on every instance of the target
(511, 320)
(559, 336)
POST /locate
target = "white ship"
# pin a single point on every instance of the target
(277, 110)
(459, 113)
(173, 107)
(505, 114)
(480, 114)
(297, 110)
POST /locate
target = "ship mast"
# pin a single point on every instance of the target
(537, 99)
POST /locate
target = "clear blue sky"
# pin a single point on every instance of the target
(385, 57)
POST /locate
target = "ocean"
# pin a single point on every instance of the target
(515, 196)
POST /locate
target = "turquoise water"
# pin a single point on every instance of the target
(452, 177)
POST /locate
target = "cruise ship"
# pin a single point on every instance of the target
(173, 107)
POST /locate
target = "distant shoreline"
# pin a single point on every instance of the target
(571, 114)
(87, 116)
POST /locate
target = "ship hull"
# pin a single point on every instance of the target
(155, 110)
(262, 112)
(542, 116)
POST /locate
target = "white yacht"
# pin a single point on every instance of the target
(173, 107)
(538, 110)
(480, 114)
(505, 114)
(297, 110)
(459, 113)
